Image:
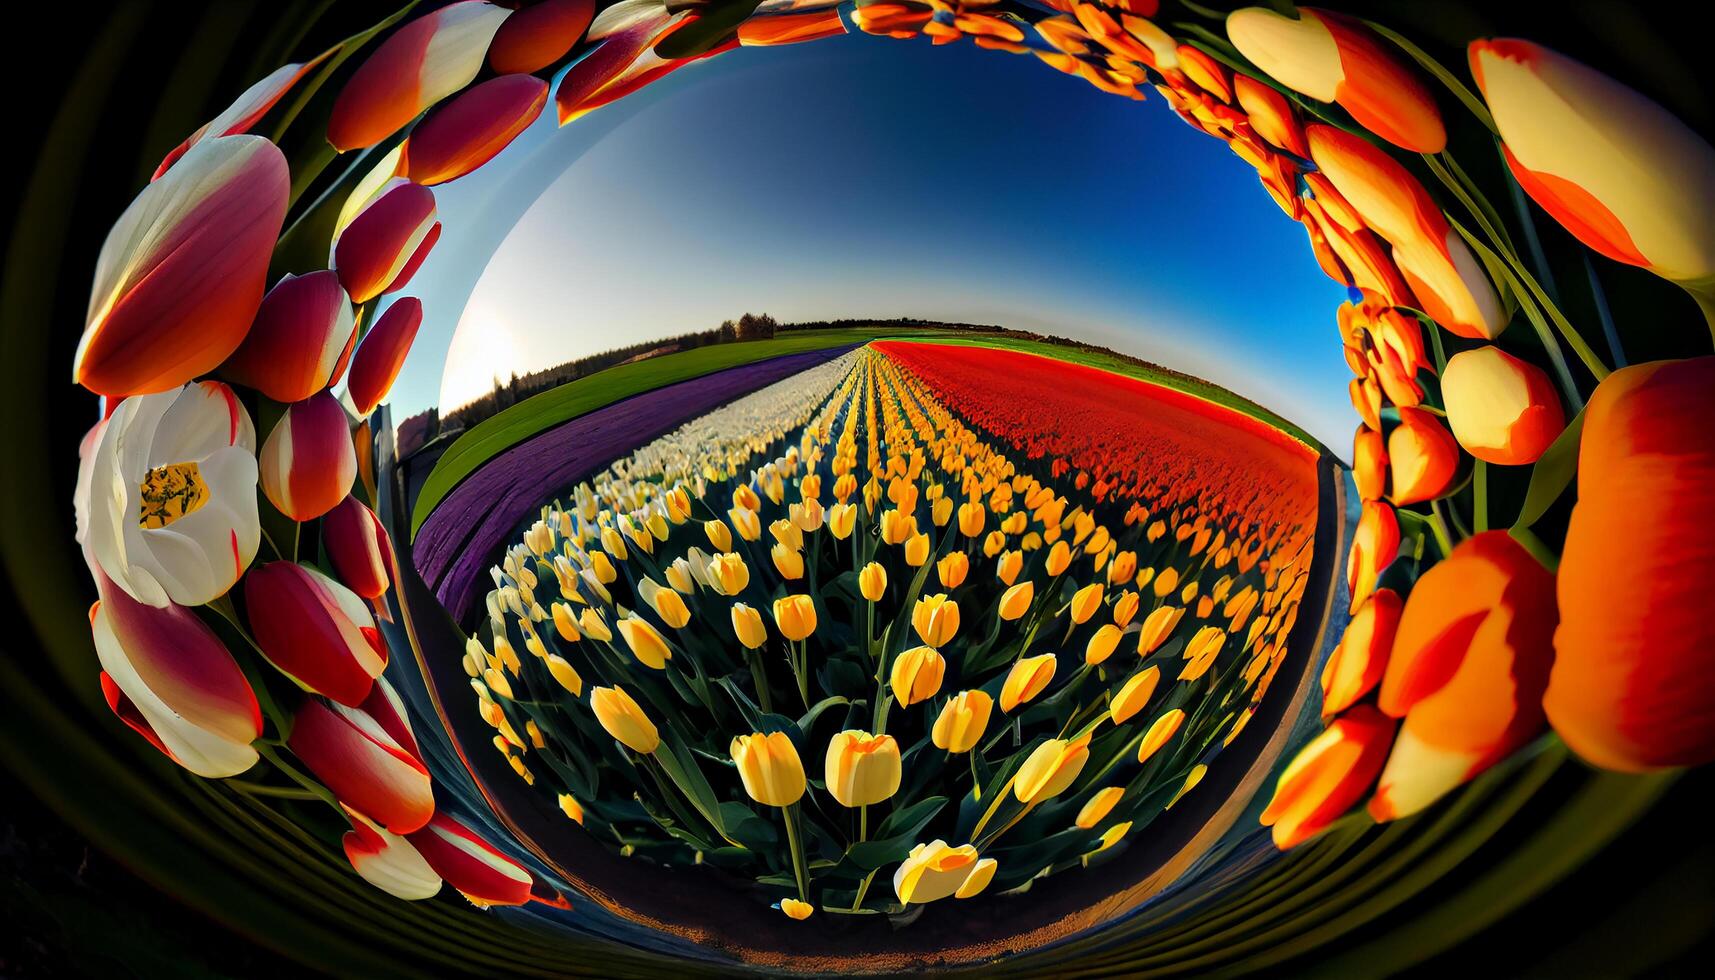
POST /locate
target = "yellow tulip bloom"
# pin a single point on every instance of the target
(1016, 600)
(1159, 733)
(747, 626)
(622, 718)
(645, 642)
(1134, 694)
(565, 674)
(1102, 644)
(862, 768)
(936, 619)
(917, 675)
(872, 581)
(795, 616)
(1050, 769)
(1026, 680)
(1098, 807)
(769, 767)
(962, 722)
(952, 569)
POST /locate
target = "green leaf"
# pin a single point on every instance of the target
(1552, 474)
(911, 819)
(809, 718)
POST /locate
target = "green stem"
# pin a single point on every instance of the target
(314, 788)
(759, 676)
(797, 845)
(280, 792)
(1480, 496)
(863, 835)
(1436, 524)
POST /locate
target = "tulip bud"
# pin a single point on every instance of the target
(537, 36)
(1050, 769)
(387, 860)
(1059, 557)
(769, 767)
(363, 765)
(936, 619)
(1098, 807)
(470, 864)
(1134, 694)
(593, 626)
(952, 569)
(1375, 544)
(383, 245)
(167, 676)
(300, 340)
(1015, 602)
(181, 274)
(422, 63)
(1636, 645)
(1009, 566)
(789, 563)
(1358, 662)
(621, 717)
(1026, 680)
(308, 462)
(971, 518)
(1422, 456)
(747, 626)
(567, 675)
(314, 630)
(1085, 602)
(1122, 568)
(382, 353)
(1333, 58)
(1369, 463)
(719, 537)
(1160, 732)
(603, 568)
(745, 521)
(1166, 582)
(473, 127)
(842, 518)
(1125, 608)
(872, 581)
(934, 871)
(962, 722)
(1328, 775)
(917, 550)
(795, 616)
(1102, 644)
(862, 768)
(917, 675)
(645, 643)
(1502, 410)
(359, 547)
(728, 573)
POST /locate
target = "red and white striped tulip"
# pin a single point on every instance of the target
(625, 33)
(300, 340)
(1469, 663)
(536, 36)
(360, 548)
(182, 271)
(423, 62)
(245, 111)
(380, 249)
(1333, 58)
(387, 860)
(168, 492)
(382, 353)
(1621, 173)
(1636, 646)
(314, 630)
(1502, 410)
(1448, 281)
(471, 864)
(308, 462)
(363, 765)
(470, 130)
(167, 675)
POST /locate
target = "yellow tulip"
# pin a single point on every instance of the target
(795, 616)
(605, 573)
(680, 577)
(593, 626)
(720, 538)
(941, 511)
(952, 569)
(789, 563)
(795, 909)
(1112, 836)
(728, 573)
(971, 518)
(1125, 608)
(934, 871)
(1134, 694)
(571, 808)
(1015, 602)
(645, 643)
(746, 523)
(917, 550)
(566, 674)
(670, 606)
(842, 518)
(917, 675)
(981, 874)
(1166, 582)
(747, 626)
(1050, 769)
(614, 543)
(1102, 644)
(862, 768)
(962, 721)
(769, 767)
(1026, 680)
(993, 543)
(897, 527)
(1059, 557)
(1192, 778)
(787, 534)
(1098, 807)
(1009, 566)
(872, 581)
(565, 623)
(1157, 627)
(1122, 568)
(621, 718)
(1085, 602)
(936, 619)
(1163, 729)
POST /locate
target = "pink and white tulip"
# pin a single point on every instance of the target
(245, 111)
(470, 864)
(363, 765)
(300, 341)
(314, 630)
(380, 249)
(308, 462)
(387, 860)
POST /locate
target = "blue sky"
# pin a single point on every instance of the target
(862, 176)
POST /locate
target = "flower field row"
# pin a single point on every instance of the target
(1005, 664)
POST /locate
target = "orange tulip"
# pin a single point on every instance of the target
(1621, 173)
(300, 340)
(382, 353)
(181, 274)
(308, 462)
(471, 129)
(1334, 58)
(1502, 410)
(1446, 278)
(1357, 663)
(1422, 457)
(1375, 544)
(1468, 667)
(1271, 115)
(1028, 678)
(422, 63)
(1369, 463)
(790, 28)
(380, 249)
(1328, 775)
(536, 36)
(1635, 650)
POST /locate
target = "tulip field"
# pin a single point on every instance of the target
(877, 622)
